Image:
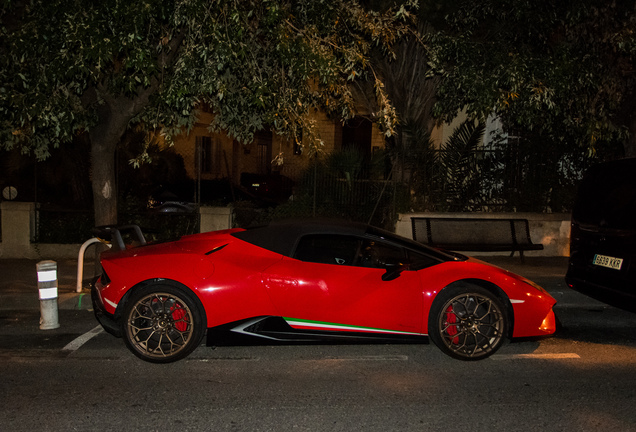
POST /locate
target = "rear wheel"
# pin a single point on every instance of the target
(468, 322)
(163, 323)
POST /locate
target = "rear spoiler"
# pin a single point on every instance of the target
(113, 235)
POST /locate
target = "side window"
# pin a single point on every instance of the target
(327, 249)
(419, 261)
(376, 254)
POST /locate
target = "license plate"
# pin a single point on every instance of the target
(608, 261)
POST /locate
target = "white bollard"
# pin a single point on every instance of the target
(47, 285)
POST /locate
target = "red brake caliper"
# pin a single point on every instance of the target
(451, 330)
(178, 313)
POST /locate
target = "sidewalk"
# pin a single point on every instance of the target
(19, 287)
(20, 315)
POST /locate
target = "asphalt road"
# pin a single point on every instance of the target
(79, 378)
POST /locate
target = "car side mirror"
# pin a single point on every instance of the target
(394, 268)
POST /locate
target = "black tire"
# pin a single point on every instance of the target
(468, 322)
(162, 323)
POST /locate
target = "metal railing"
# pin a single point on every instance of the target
(74, 227)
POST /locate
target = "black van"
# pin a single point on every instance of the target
(603, 237)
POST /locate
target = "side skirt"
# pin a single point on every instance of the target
(272, 330)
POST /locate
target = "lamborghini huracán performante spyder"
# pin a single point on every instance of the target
(307, 281)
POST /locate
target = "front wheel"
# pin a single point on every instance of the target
(162, 323)
(468, 322)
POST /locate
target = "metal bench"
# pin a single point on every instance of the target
(474, 234)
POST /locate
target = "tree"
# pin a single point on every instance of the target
(411, 90)
(72, 67)
(410, 86)
(559, 69)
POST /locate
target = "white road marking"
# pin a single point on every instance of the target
(370, 358)
(554, 356)
(328, 359)
(75, 344)
(207, 360)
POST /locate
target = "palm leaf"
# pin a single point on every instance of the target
(458, 162)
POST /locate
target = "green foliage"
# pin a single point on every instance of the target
(71, 65)
(537, 174)
(417, 157)
(346, 164)
(558, 68)
(461, 182)
(512, 174)
(450, 178)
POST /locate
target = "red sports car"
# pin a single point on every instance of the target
(310, 281)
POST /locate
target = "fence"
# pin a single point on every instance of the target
(325, 190)
(62, 226)
(71, 227)
(351, 196)
(506, 179)
(512, 178)
(26, 229)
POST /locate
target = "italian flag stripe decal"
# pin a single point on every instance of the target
(325, 326)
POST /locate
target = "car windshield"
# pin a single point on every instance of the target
(607, 196)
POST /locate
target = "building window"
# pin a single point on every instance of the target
(209, 156)
(357, 133)
(204, 153)
(264, 148)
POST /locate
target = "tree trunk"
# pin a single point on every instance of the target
(104, 140)
(114, 113)
(630, 143)
(104, 184)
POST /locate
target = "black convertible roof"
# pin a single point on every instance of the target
(281, 236)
